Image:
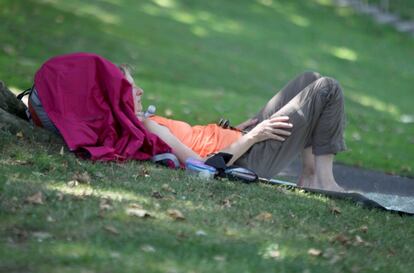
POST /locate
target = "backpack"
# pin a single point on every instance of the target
(35, 112)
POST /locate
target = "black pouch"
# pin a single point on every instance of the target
(241, 174)
(219, 161)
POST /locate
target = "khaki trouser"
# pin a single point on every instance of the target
(315, 107)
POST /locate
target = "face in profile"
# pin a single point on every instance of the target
(137, 92)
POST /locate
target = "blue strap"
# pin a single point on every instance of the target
(162, 158)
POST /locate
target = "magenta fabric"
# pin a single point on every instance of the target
(90, 101)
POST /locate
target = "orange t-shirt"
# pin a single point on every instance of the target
(203, 140)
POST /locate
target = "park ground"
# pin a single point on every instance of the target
(198, 61)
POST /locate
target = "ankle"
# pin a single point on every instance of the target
(308, 172)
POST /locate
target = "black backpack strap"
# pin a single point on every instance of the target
(24, 93)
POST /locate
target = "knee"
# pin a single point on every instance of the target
(330, 87)
(310, 76)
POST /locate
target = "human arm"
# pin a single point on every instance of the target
(179, 149)
(275, 128)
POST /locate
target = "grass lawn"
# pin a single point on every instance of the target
(200, 60)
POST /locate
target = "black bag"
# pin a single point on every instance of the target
(219, 162)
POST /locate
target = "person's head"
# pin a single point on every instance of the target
(136, 90)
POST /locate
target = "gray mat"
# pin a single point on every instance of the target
(361, 180)
(391, 192)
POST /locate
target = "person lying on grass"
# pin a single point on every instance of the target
(306, 116)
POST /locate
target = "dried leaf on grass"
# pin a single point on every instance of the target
(175, 214)
(219, 258)
(157, 194)
(41, 235)
(143, 172)
(363, 228)
(148, 248)
(9, 49)
(105, 204)
(335, 210)
(72, 183)
(111, 229)
(226, 203)
(19, 162)
(135, 206)
(60, 196)
(314, 252)
(166, 187)
(200, 233)
(83, 178)
(358, 241)
(272, 251)
(35, 199)
(264, 216)
(342, 239)
(141, 213)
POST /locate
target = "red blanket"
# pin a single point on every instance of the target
(90, 101)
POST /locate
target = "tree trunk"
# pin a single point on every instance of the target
(9, 102)
(14, 120)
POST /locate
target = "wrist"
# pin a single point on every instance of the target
(250, 138)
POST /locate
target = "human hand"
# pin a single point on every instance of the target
(272, 128)
(247, 123)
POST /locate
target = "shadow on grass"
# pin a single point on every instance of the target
(222, 231)
(82, 236)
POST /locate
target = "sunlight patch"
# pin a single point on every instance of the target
(86, 190)
(99, 13)
(266, 3)
(271, 251)
(299, 20)
(344, 53)
(199, 31)
(374, 103)
(165, 3)
(228, 26)
(324, 2)
(73, 250)
(151, 10)
(183, 17)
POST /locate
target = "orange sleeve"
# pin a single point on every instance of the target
(203, 140)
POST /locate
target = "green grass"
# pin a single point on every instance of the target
(202, 60)
(69, 231)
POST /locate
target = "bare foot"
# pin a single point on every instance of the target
(306, 181)
(310, 181)
(327, 186)
(334, 187)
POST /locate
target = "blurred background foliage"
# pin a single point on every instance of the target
(201, 60)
